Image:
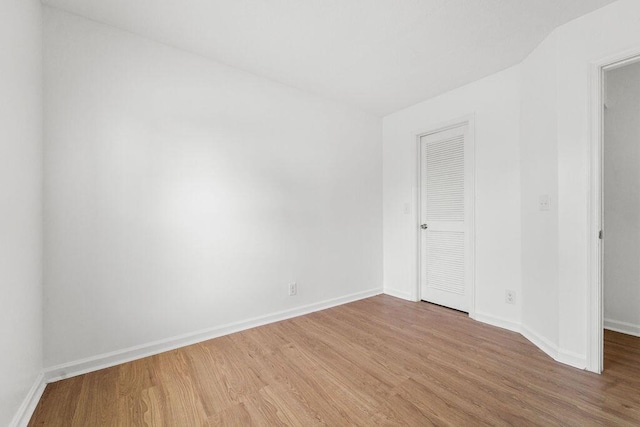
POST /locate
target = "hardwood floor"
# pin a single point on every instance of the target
(379, 361)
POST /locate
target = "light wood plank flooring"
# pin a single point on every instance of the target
(379, 361)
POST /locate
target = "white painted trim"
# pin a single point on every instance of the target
(541, 342)
(566, 357)
(25, 411)
(595, 322)
(622, 327)
(563, 356)
(101, 361)
(497, 321)
(399, 294)
(106, 360)
(594, 225)
(470, 196)
(570, 358)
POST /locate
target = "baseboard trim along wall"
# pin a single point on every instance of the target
(114, 358)
(622, 327)
(560, 355)
(542, 343)
(24, 413)
(497, 321)
(107, 360)
(399, 294)
(563, 356)
(572, 359)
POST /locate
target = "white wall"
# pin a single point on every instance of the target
(622, 199)
(20, 202)
(182, 194)
(495, 104)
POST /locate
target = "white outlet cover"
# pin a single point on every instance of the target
(544, 202)
(510, 297)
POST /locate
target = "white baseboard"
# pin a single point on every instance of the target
(563, 356)
(542, 343)
(106, 360)
(572, 359)
(25, 411)
(113, 358)
(497, 321)
(399, 294)
(622, 327)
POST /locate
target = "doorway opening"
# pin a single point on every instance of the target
(614, 229)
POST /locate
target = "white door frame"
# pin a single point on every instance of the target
(470, 181)
(595, 308)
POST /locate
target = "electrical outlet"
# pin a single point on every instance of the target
(293, 289)
(544, 202)
(509, 297)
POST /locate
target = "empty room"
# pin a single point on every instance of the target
(319, 212)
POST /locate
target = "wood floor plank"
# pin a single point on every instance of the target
(97, 400)
(58, 403)
(235, 415)
(133, 378)
(379, 361)
(178, 397)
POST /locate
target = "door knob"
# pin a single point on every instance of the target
(424, 226)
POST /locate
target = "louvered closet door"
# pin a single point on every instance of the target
(442, 212)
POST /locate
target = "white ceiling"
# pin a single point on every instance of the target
(379, 55)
